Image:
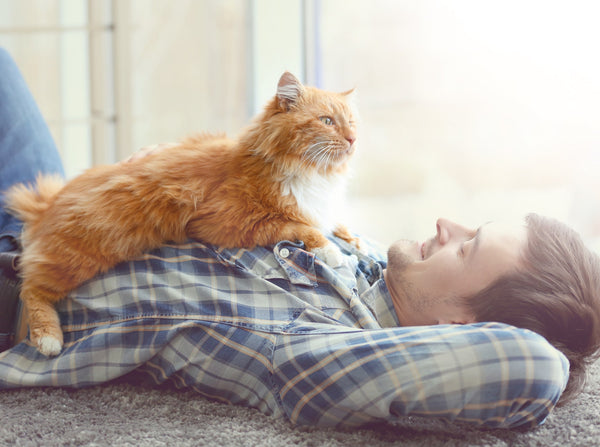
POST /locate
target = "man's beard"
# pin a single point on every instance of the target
(398, 258)
(398, 262)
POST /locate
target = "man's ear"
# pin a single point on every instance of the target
(289, 90)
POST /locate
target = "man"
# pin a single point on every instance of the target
(276, 329)
(538, 276)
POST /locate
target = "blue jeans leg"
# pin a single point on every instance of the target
(26, 149)
(26, 146)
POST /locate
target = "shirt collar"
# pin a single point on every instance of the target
(379, 301)
(377, 297)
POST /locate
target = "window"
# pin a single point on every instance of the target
(469, 110)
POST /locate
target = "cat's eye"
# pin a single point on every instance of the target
(327, 120)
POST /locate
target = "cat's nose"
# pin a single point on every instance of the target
(350, 139)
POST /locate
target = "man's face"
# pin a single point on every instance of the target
(427, 280)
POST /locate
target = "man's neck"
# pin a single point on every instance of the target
(396, 300)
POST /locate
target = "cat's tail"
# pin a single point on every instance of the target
(28, 202)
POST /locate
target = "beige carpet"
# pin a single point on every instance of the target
(124, 414)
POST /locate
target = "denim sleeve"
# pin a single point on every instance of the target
(486, 374)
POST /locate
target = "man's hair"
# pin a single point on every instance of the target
(557, 295)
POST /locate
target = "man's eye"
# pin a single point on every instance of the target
(327, 120)
(462, 247)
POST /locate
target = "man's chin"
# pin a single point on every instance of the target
(404, 252)
(400, 255)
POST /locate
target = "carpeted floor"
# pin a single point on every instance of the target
(123, 414)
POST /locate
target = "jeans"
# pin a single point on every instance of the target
(26, 146)
(26, 149)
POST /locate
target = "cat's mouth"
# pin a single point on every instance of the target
(342, 154)
(349, 150)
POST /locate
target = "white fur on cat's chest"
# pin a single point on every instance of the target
(319, 197)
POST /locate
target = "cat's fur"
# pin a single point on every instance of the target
(272, 183)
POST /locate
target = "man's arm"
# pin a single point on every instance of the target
(485, 374)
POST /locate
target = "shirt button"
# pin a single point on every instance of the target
(284, 252)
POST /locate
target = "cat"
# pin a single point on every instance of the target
(275, 182)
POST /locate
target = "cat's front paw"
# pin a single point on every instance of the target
(49, 346)
(48, 341)
(342, 232)
(331, 254)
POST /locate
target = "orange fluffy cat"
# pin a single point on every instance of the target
(274, 182)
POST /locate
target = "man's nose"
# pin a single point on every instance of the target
(442, 231)
(446, 230)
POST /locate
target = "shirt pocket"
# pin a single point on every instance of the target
(286, 260)
(325, 320)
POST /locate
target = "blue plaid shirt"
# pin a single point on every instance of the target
(276, 329)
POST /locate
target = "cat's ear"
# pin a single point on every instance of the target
(349, 93)
(351, 98)
(289, 90)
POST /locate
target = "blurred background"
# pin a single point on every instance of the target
(474, 110)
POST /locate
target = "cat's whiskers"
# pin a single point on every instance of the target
(319, 153)
(315, 157)
(324, 155)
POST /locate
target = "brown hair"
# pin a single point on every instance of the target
(557, 295)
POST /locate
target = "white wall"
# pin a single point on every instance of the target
(470, 109)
